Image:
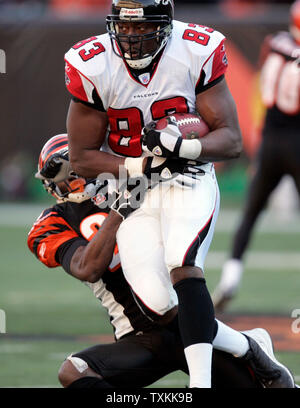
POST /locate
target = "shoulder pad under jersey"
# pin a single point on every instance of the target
(203, 47)
(85, 62)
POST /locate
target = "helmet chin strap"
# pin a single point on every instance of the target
(88, 192)
(146, 61)
(82, 191)
(138, 64)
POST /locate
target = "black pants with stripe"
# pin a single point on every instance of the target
(138, 360)
(279, 155)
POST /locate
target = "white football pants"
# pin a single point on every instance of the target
(173, 227)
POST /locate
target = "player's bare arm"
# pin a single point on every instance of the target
(85, 157)
(91, 261)
(86, 132)
(217, 107)
(221, 140)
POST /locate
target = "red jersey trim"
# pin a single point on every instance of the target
(80, 94)
(199, 233)
(218, 68)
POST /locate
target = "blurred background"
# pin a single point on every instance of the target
(35, 34)
(49, 314)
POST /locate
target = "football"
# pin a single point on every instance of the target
(191, 125)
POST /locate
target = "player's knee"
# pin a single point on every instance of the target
(154, 291)
(160, 303)
(72, 369)
(185, 272)
(68, 373)
(173, 260)
(174, 256)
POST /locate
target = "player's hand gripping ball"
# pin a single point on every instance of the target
(177, 135)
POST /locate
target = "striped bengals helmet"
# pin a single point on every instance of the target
(56, 144)
(295, 21)
(72, 188)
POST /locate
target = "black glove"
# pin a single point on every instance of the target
(125, 200)
(165, 142)
(130, 196)
(168, 142)
(57, 168)
(161, 169)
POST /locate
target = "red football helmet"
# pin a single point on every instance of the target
(72, 188)
(295, 21)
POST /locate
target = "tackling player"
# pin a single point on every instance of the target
(147, 66)
(78, 235)
(280, 148)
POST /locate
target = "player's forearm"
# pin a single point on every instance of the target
(218, 109)
(221, 144)
(86, 133)
(90, 163)
(90, 262)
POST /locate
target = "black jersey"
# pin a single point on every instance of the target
(58, 231)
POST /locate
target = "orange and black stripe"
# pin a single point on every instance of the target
(53, 145)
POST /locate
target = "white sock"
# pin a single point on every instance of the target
(231, 276)
(230, 340)
(199, 359)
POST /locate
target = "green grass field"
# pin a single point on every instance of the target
(45, 309)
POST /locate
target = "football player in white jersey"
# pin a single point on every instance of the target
(81, 237)
(280, 148)
(147, 66)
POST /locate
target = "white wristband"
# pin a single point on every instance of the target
(190, 149)
(134, 166)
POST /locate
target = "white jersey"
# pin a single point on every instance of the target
(193, 60)
(179, 232)
(280, 74)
